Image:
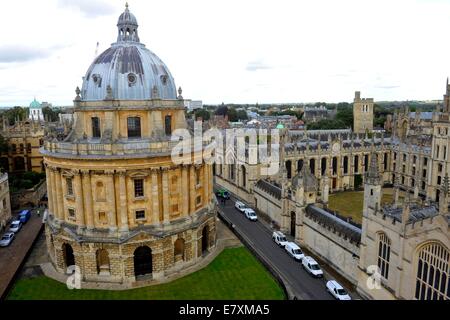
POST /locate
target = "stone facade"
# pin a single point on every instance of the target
(23, 140)
(120, 209)
(404, 247)
(5, 202)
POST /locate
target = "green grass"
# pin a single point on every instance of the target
(234, 275)
(350, 203)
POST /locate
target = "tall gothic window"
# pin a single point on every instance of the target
(384, 253)
(134, 127)
(433, 275)
(96, 128)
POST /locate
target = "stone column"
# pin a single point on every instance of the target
(79, 199)
(205, 184)
(87, 195)
(155, 197)
(165, 194)
(185, 187)
(111, 196)
(49, 190)
(192, 189)
(59, 195)
(124, 227)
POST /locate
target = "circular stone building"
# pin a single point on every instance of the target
(119, 208)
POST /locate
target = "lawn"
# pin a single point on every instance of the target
(350, 203)
(234, 275)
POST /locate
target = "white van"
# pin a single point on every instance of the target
(240, 206)
(294, 251)
(279, 238)
(337, 290)
(310, 265)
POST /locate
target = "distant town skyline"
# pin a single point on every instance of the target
(236, 52)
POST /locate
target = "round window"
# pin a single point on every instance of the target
(131, 78)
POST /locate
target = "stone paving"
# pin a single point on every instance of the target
(12, 257)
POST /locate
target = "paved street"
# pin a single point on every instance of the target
(259, 235)
(11, 257)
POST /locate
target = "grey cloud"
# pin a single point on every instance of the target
(19, 53)
(257, 65)
(89, 8)
(13, 53)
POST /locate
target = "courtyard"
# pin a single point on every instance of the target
(350, 203)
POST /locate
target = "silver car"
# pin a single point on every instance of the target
(6, 239)
(15, 226)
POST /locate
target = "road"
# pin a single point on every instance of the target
(11, 257)
(259, 236)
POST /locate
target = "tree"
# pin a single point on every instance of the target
(242, 115)
(15, 113)
(202, 113)
(50, 114)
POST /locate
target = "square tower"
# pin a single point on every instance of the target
(362, 114)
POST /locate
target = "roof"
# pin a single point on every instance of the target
(270, 188)
(417, 212)
(333, 221)
(35, 104)
(128, 70)
(423, 115)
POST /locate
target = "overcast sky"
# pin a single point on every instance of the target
(236, 51)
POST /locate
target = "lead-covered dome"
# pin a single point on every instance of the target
(128, 70)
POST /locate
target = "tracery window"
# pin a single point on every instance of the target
(433, 276)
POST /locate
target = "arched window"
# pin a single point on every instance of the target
(21, 148)
(433, 277)
(299, 165)
(244, 176)
(323, 165)
(96, 132)
(356, 164)
(312, 166)
(345, 165)
(384, 254)
(178, 249)
(103, 266)
(289, 169)
(334, 165)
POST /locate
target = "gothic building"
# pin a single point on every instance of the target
(408, 244)
(119, 208)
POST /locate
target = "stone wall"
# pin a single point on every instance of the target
(33, 196)
(341, 254)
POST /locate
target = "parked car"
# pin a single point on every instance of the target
(222, 193)
(337, 290)
(294, 251)
(250, 214)
(312, 267)
(24, 216)
(6, 239)
(15, 226)
(279, 238)
(240, 206)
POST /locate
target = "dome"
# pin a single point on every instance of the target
(35, 104)
(128, 70)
